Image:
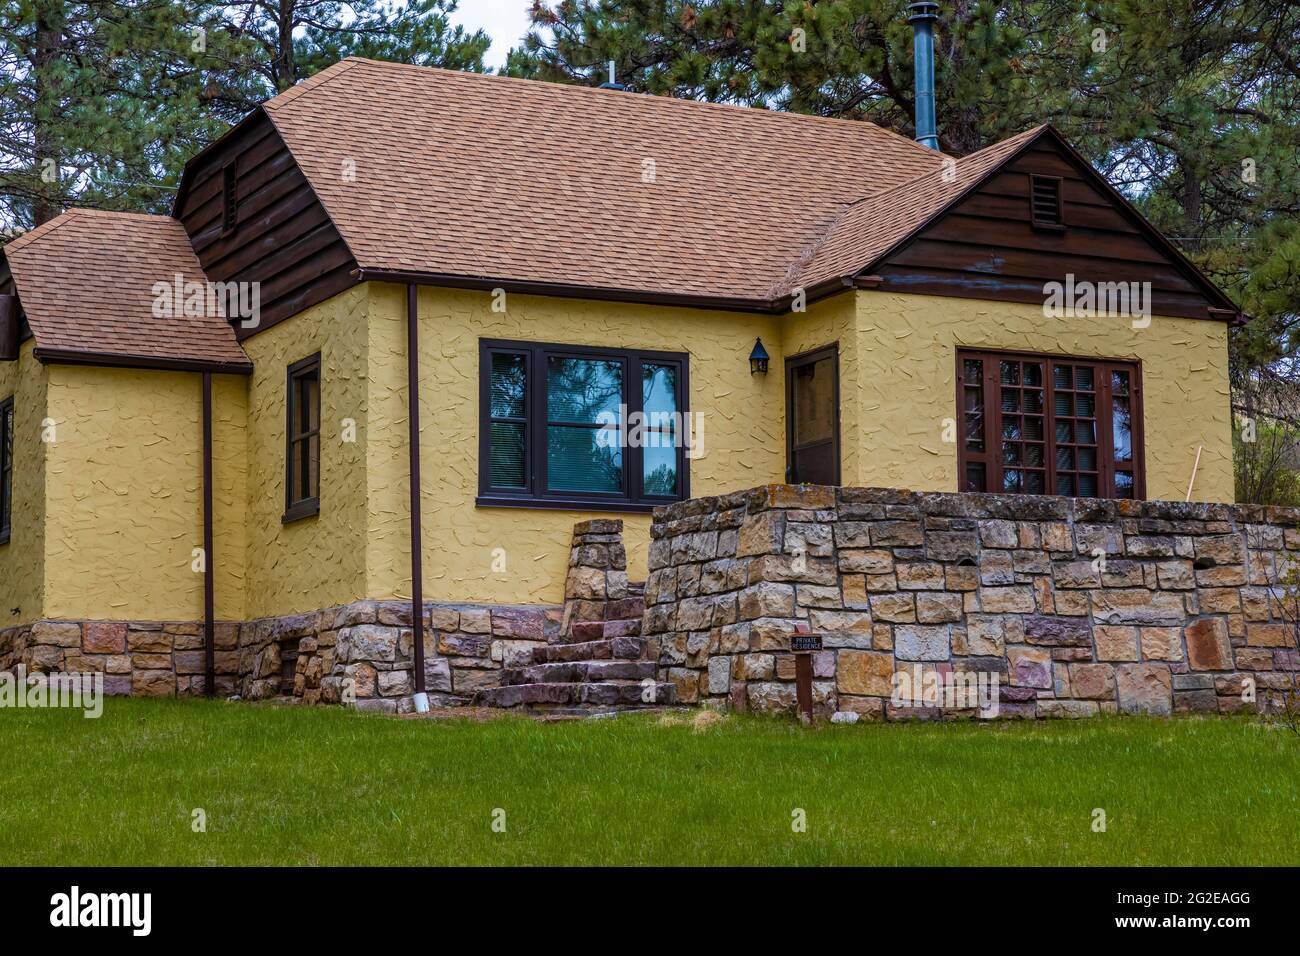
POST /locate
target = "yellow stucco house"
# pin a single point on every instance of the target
(208, 416)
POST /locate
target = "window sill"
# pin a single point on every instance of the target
(568, 504)
(308, 508)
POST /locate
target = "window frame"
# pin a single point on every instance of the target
(1058, 184)
(990, 456)
(308, 506)
(7, 426)
(632, 498)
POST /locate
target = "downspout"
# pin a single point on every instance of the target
(209, 572)
(417, 555)
(922, 16)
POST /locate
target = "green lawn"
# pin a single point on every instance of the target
(294, 785)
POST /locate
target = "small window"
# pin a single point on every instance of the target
(565, 426)
(302, 472)
(1045, 202)
(6, 467)
(1049, 425)
(229, 208)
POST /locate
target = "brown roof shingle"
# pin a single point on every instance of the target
(491, 177)
(86, 283)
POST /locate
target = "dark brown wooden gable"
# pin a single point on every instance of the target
(282, 236)
(9, 287)
(986, 246)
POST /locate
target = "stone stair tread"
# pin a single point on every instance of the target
(552, 672)
(616, 648)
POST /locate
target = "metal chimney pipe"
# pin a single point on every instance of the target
(922, 16)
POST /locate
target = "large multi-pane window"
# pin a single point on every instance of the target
(302, 453)
(6, 467)
(563, 425)
(1049, 425)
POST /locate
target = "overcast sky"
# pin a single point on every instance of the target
(505, 21)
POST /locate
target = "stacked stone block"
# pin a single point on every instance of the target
(1081, 606)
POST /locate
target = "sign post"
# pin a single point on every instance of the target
(803, 645)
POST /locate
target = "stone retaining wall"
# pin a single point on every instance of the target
(1080, 606)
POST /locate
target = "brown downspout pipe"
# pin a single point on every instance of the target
(417, 555)
(209, 628)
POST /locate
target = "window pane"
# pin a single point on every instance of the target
(507, 465)
(1121, 428)
(975, 477)
(579, 390)
(509, 383)
(1123, 484)
(659, 447)
(580, 459)
(313, 466)
(1083, 378)
(1119, 382)
(814, 401)
(1010, 373)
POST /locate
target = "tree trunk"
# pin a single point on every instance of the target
(46, 89)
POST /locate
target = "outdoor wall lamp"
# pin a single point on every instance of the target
(758, 358)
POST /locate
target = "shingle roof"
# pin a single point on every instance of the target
(868, 229)
(86, 283)
(498, 178)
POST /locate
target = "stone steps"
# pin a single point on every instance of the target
(616, 648)
(541, 696)
(578, 672)
(598, 665)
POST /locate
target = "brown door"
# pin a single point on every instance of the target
(812, 415)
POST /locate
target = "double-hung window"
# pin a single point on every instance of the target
(6, 467)
(302, 440)
(568, 426)
(1049, 425)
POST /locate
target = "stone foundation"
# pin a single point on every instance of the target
(143, 658)
(1080, 606)
(359, 652)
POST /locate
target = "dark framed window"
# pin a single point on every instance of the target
(1049, 425)
(1046, 211)
(565, 426)
(6, 468)
(302, 440)
(229, 205)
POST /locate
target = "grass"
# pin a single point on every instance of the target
(294, 785)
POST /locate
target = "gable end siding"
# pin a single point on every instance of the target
(987, 247)
(283, 237)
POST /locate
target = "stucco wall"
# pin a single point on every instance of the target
(22, 560)
(744, 435)
(906, 387)
(320, 561)
(124, 495)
